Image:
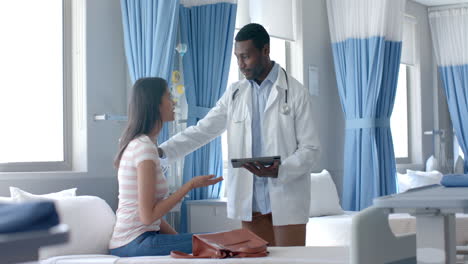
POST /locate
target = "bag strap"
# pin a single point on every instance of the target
(252, 250)
(180, 254)
(250, 255)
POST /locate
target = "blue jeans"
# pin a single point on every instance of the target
(154, 244)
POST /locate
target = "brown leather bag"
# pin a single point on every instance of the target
(239, 243)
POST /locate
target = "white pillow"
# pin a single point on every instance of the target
(403, 182)
(432, 163)
(6, 199)
(459, 165)
(324, 198)
(423, 178)
(90, 220)
(19, 195)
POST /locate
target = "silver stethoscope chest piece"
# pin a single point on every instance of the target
(285, 109)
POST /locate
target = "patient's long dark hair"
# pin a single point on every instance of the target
(143, 111)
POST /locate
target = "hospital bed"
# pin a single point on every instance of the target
(278, 255)
(368, 246)
(335, 230)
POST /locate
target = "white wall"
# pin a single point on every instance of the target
(327, 108)
(105, 93)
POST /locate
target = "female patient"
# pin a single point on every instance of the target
(140, 229)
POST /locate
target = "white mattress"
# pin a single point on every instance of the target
(80, 259)
(278, 255)
(332, 230)
(335, 230)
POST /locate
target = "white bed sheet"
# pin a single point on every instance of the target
(81, 259)
(332, 230)
(335, 230)
(278, 255)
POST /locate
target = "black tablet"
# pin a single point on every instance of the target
(265, 161)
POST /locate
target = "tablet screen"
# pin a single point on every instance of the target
(265, 161)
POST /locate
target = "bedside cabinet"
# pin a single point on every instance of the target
(209, 216)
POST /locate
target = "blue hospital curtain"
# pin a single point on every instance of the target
(208, 31)
(449, 28)
(366, 42)
(150, 30)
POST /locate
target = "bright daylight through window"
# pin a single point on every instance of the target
(31, 71)
(399, 120)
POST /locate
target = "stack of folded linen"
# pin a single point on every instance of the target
(27, 216)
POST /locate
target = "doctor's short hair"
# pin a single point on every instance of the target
(256, 32)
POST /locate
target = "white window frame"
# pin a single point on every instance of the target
(414, 116)
(413, 78)
(66, 164)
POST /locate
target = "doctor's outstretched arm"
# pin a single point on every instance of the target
(194, 137)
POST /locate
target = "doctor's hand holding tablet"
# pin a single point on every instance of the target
(260, 166)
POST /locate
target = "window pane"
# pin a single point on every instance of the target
(399, 119)
(278, 51)
(31, 74)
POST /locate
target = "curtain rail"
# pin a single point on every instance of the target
(111, 117)
(446, 7)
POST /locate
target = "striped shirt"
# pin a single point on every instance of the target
(128, 225)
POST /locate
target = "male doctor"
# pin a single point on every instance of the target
(268, 113)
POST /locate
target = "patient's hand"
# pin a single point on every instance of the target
(204, 180)
(263, 171)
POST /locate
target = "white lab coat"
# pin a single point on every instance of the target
(292, 136)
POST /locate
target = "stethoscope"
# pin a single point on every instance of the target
(285, 107)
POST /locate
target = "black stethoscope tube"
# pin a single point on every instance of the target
(285, 107)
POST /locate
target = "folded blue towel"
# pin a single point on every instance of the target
(27, 216)
(455, 180)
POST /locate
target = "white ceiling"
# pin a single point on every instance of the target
(440, 2)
